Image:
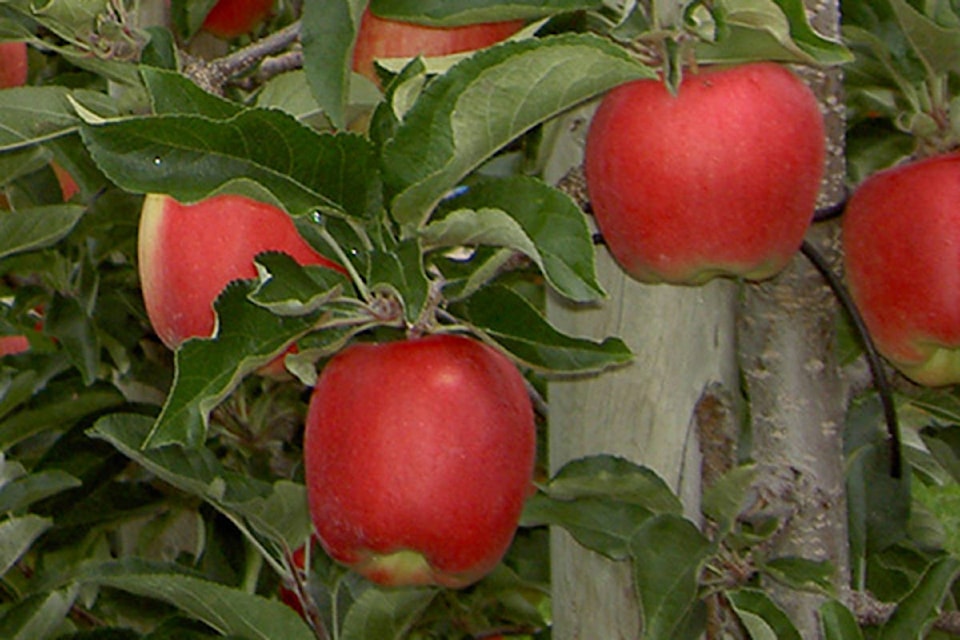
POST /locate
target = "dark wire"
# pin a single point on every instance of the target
(873, 358)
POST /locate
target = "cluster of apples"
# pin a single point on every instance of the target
(721, 179)
(425, 485)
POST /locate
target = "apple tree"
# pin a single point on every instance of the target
(731, 457)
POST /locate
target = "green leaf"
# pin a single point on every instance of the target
(801, 573)
(936, 45)
(17, 535)
(724, 501)
(607, 476)
(36, 228)
(16, 389)
(464, 116)
(838, 622)
(668, 553)
(399, 270)
(278, 510)
(31, 115)
(207, 370)
(39, 616)
(192, 156)
(68, 322)
(769, 30)
(386, 614)
(289, 289)
(528, 216)
(57, 414)
(328, 31)
(23, 492)
(601, 500)
(523, 331)
(230, 611)
(761, 616)
(879, 505)
(916, 612)
(458, 12)
(171, 93)
(602, 524)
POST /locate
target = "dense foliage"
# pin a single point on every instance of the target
(153, 494)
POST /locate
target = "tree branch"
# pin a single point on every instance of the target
(213, 75)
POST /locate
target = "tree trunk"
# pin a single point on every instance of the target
(797, 403)
(683, 340)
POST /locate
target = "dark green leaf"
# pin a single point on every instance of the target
(607, 476)
(466, 115)
(838, 622)
(23, 492)
(938, 46)
(528, 216)
(385, 614)
(327, 33)
(68, 322)
(59, 414)
(230, 611)
(278, 510)
(724, 501)
(761, 616)
(286, 288)
(191, 156)
(768, 30)
(456, 12)
(37, 617)
(17, 535)
(523, 331)
(207, 370)
(171, 93)
(32, 115)
(602, 524)
(36, 228)
(916, 612)
(801, 573)
(668, 553)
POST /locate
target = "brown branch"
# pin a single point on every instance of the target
(213, 75)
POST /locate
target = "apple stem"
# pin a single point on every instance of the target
(874, 361)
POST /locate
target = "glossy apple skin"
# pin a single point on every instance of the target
(418, 458)
(231, 18)
(382, 38)
(901, 240)
(719, 180)
(188, 253)
(13, 64)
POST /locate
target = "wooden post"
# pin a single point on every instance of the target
(683, 339)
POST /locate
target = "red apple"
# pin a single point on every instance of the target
(231, 18)
(382, 38)
(901, 233)
(418, 457)
(188, 253)
(718, 180)
(13, 64)
(68, 186)
(11, 345)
